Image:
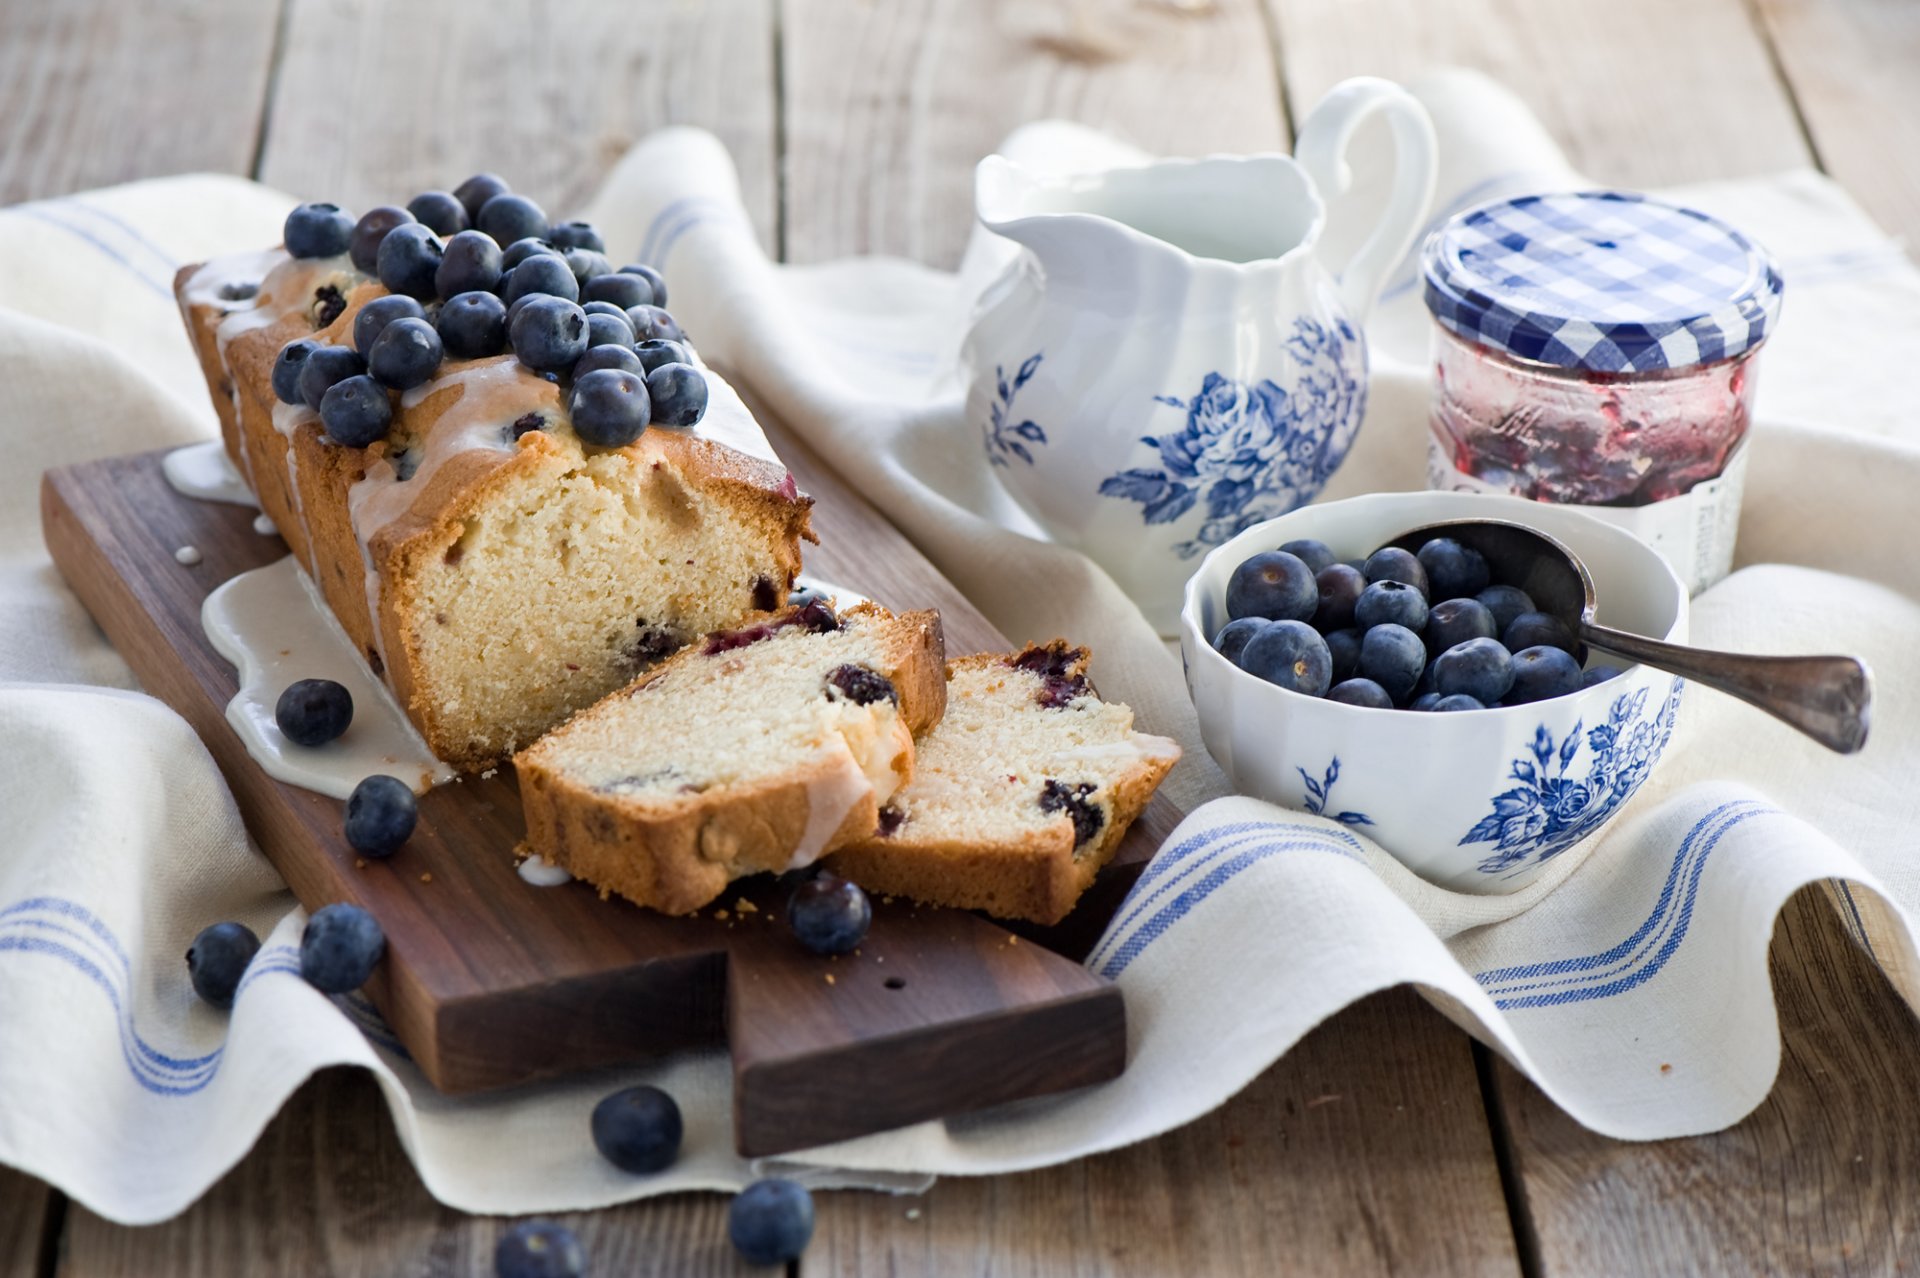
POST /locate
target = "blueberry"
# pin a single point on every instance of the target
(1533, 629)
(651, 322)
(1393, 657)
(1291, 655)
(325, 366)
(1542, 672)
(1390, 563)
(340, 948)
(409, 259)
(440, 211)
(1275, 585)
(477, 190)
(1390, 602)
(1458, 701)
(654, 280)
(511, 217)
(609, 407)
(1232, 639)
(621, 290)
(539, 1249)
(312, 712)
(679, 395)
(1454, 621)
(542, 273)
(217, 960)
(381, 814)
(586, 264)
(1344, 647)
(581, 235)
(1478, 668)
(771, 1221)
(405, 355)
(1599, 674)
(656, 351)
(356, 411)
(287, 366)
(318, 230)
(372, 319)
(1424, 702)
(1505, 603)
(638, 1130)
(473, 326)
(370, 230)
(1360, 692)
(548, 333)
(615, 357)
(470, 263)
(1317, 555)
(520, 250)
(1340, 587)
(609, 330)
(1454, 571)
(829, 914)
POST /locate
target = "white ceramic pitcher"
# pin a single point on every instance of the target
(1168, 361)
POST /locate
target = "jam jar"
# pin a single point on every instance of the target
(1596, 349)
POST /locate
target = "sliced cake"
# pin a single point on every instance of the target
(1019, 795)
(760, 748)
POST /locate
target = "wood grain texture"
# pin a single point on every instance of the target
(1854, 69)
(328, 1191)
(1364, 1150)
(377, 101)
(1637, 92)
(1817, 1180)
(28, 1211)
(888, 106)
(94, 92)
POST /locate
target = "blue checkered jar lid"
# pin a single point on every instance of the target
(1600, 282)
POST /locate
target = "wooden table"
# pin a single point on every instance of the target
(1387, 1141)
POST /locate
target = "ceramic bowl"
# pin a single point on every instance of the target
(1477, 801)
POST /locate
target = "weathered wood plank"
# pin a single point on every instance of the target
(1814, 1181)
(376, 102)
(1854, 69)
(94, 92)
(1364, 1150)
(28, 1210)
(888, 106)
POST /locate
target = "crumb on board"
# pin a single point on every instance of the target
(721, 915)
(1665, 1068)
(913, 1213)
(359, 863)
(489, 774)
(427, 877)
(744, 906)
(830, 978)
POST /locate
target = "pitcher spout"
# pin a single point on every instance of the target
(1072, 248)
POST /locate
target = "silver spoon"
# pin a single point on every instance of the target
(1828, 698)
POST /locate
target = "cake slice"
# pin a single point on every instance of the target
(756, 749)
(1019, 795)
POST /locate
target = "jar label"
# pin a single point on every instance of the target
(1693, 532)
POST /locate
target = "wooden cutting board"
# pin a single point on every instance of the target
(491, 982)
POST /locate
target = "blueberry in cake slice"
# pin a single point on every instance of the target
(760, 748)
(1019, 795)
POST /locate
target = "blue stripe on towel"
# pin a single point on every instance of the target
(43, 213)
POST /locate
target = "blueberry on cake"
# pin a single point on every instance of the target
(759, 748)
(1020, 794)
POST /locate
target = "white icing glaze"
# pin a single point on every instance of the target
(728, 422)
(264, 526)
(203, 471)
(273, 626)
(830, 796)
(541, 872)
(1139, 745)
(188, 555)
(842, 597)
(287, 418)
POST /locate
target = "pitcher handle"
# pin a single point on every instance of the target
(1322, 151)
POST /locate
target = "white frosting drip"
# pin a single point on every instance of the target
(274, 627)
(188, 555)
(204, 471)
(1140, 745)
(288, 418)
(264, 526)
(728, 422)
(541, 872)
(842, 597)
(830, 797)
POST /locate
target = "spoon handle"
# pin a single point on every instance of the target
(1828, 698)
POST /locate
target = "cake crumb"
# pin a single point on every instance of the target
(426, 878)
(359, 863)
(830, 978)
(1665, 1068)
(913, 1213)
(721, 915)
(490, 774)
(744, 906)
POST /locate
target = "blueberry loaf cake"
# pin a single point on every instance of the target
(513, 482)
(1019, 795)
(760, 748)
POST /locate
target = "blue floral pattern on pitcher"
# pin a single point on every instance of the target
(1251, 451)
(1555, 806)
(1320, 796)
(1004, 438)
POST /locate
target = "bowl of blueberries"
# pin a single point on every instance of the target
(1408, 694)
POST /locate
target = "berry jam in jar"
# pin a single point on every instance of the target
(1596, 349)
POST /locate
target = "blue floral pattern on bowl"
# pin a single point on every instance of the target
(1320, 795)
(1004, 438)
(1251, 451)
(1556, 805)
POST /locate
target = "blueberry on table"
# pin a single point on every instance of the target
(372, 319)
(586, 264)
(477, 190)
(1478, 668)
(1390, 602)
(511, 217)
(286, 369)
(1599, 674)
(1231, 641)
(381, 814)
(1458, 701)
(439, 210)
(1393, 657)
(405, 355)
(610, 407)
(621, 358)
(470, 263)
(581, 235)
(656, 351)
(1505, 603)
(473, 326)
(1317, 555)
(1275, 585)
(654, 280)
(1344, 647)
(409, 259)
(1542, 672)
(370, 230)
(1453, 571)
(621, 290)
(829, 914)
(609, 330)
(651, 321)
(217, 960)
(1390, 563)
(1454, 621)
(679, 395)
(323, 368)
(340, 948)
(1340, 587)
(548, 332)
(771, 1221)
(1360, 692)
(318, 230)
(356, 411)
(1537, 629)
(539, 1249)
(638, 1130)
(312, 712)
(1291, 655)
(542, 273)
